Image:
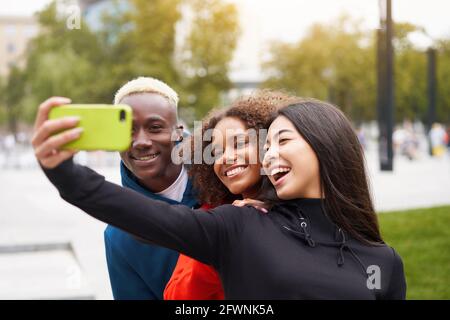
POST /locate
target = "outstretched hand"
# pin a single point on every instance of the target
(46, 144)
(261, 206)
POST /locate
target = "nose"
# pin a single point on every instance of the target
(228, 156)
(269, 157)
(141, 140)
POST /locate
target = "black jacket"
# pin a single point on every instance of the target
(292, 252)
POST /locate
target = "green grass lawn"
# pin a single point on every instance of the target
(422, 238)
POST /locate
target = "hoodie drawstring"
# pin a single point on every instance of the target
(342, 247)
(306, 236)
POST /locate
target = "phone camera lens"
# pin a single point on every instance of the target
(122, 115)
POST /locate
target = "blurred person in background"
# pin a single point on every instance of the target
(362, 137)
(406, 142)
(438, 139)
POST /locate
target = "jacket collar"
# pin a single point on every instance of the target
(307, 220)
(308, 216)
(129, 180)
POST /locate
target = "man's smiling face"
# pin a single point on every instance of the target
(154, 119)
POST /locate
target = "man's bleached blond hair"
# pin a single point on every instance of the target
(147, 84)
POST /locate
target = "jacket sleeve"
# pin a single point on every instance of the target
(397, 283)
(191, 232)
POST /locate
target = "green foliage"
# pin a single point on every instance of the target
(152, 38)
(12, 93)
(334, 61)
(337, 62)
(2, 101)
(443, 81)
(209, 50)
(329, 63)
(137, 39)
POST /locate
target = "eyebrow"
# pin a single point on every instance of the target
(237, 135)
(154, 118)
(233, 136)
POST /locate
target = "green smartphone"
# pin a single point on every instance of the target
(106, 127)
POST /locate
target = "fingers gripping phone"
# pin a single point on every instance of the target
(105, 127)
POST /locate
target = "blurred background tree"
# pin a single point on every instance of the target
(336, 62)
(443, 78)
(136, 39)
(208, 51)
(12, 92)
(333, 61)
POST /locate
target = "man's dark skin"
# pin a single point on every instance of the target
(154, 121)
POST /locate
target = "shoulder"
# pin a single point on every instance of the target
(232, 218)
(388, 262)
(397, 280)
(229, 211)
(396, 262)
(388, 255)
(383, 256)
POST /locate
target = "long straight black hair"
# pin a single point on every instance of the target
(343, 179)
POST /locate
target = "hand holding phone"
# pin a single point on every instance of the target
(78, 127)
(105, 127)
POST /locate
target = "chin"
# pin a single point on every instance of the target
(235, 190)
(286, 195)
(147, 174)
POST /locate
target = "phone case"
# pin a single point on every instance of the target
(106, 127)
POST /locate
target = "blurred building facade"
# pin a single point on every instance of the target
(15, 33)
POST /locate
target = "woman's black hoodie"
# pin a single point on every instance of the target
(292, 252)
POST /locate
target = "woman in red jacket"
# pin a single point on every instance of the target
(234, 175)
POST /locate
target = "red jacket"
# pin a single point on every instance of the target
(193, 280)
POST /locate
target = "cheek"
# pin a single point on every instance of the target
(164, 140)
(310, 160)
(125, 159)
(305, 164)
(217, 168)
(164, 146)
(255, 173)
(250, 154)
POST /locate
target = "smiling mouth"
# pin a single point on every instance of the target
(146, 157)
(279, 173)
(235, 171)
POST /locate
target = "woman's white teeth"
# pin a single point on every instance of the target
(278, 170)
(235, 171)
(151, 156)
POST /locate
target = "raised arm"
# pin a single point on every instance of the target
(194, 233)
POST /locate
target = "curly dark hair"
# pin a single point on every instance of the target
(256, 111)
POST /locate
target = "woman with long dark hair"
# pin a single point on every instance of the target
(319, 240)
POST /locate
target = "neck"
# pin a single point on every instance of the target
(251, 193)
(162, 182)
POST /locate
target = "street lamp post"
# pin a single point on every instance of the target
(385, 79)
(431, 88)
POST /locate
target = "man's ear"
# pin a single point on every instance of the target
(179, 129)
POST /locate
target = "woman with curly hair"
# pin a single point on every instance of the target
(232, 176)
